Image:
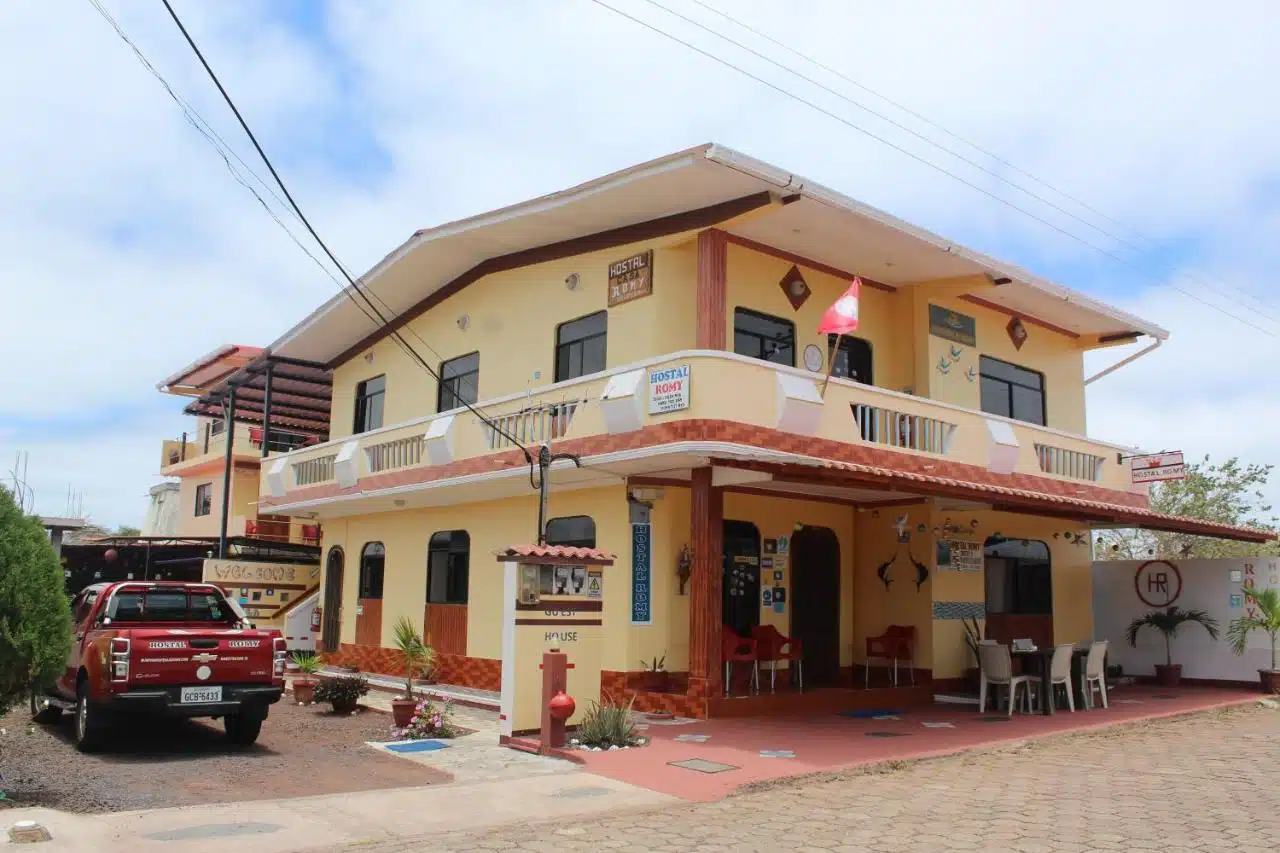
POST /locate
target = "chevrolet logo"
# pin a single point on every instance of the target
(204, 658)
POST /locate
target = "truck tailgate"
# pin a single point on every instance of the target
(165, 657)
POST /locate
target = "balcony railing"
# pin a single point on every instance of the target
(898, 429)
(532, 424)
(311, 472)
(1070, 463)
(397, 453)
(729, 388)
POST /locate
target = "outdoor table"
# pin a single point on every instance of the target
(1044, 660)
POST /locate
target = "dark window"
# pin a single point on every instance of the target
(853, 358)
(459, 382)
(573, 531)
(373, 560)
(370, 395)
(169, 605)
(217, 426)
(82, 606)
(1012, 391)
(204, 498)
(761, 336)
(1019, 578)
(580, 346)
(448, 565)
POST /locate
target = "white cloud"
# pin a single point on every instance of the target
(130, 250)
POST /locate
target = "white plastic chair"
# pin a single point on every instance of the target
(1060, 672)
(997, 669)
(1095, 674)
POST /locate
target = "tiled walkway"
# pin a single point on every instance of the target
(741, 751)
(1205, 782)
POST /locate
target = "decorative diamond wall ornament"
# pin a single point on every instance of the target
(795, 287)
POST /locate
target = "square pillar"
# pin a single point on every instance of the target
(712, 308)
(705, 580)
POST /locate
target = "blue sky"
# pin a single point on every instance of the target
(132, 250)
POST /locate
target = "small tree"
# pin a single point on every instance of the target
(1167, 622)
(1265, 618)
(417, 654)
(35, 619)
(1230, 493)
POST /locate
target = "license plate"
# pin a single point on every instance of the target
(198, 695)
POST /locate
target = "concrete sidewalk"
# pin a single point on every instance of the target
(284, 826)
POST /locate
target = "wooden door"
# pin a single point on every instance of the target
(815, 602)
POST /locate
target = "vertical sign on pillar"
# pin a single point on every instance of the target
(641, 574)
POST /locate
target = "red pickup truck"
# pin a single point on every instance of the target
(177, 649)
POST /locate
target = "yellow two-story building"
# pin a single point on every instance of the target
(661, 323)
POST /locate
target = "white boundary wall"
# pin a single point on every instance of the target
(1211, 585)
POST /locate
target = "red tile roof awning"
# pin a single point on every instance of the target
(1012, 499)
(301, 395)
(563, 555)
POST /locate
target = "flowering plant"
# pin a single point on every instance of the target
(429, 721)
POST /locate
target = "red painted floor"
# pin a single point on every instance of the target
(832, 742)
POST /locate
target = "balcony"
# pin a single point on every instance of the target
(724, 389)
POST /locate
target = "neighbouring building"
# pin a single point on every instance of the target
(661, 323)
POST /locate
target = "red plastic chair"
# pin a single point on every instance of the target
(775, 646)
(735, 649)
(896, 643)
(255, 435)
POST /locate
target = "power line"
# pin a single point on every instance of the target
(985, 151)
(1168, 268)
(227, 153)
(853, 125)
(384, 322)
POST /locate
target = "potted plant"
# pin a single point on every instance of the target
(655, 679)
(304, 687)
(1265, 605)
(343, 692)
(416, 655)
(1167, 622)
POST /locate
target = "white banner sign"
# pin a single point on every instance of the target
(669, 389)
(1157, 467)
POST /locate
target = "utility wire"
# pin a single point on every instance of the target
(227, 153)
(1168, 268)
(1151, 241)
(354, 285)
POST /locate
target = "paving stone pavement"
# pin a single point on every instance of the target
(1208, 782)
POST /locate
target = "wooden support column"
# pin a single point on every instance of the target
(713, 264)
(705, 581)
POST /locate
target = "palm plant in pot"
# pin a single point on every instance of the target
(1264, 616)
(417, 656)
(1167, 622)
(304, 687)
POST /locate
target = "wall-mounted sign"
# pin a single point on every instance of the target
(952, 326)
(595, 582)
(1158, 583)
(1157, 467)
(959, 555)
(669, 389)
(631, 278)
(641, 575)
(235, 570)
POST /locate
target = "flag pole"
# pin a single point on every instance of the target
(831, 365)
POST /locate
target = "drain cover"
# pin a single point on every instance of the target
(994, 720)
(693, 738)
(777, 753)
(582, 792)
(886, 734)
(1167, 696)
(214, 830)
(939, 725)
(702, 765)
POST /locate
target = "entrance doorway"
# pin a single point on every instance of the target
(741, 587)
(1019, 587)
(815, 602)
(331, 627)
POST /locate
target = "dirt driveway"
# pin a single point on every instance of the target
(302, 751)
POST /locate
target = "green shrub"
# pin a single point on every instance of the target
(307, 663)
(341, 689)
(35, 619)
(607, 725)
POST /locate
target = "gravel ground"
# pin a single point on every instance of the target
(157, 764)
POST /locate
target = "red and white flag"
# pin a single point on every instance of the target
(842, 317)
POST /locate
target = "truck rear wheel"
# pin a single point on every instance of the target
(242, 729)
(42, 710)
(89, 722)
